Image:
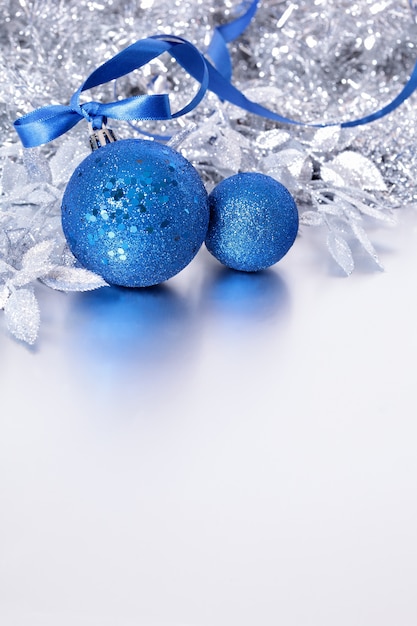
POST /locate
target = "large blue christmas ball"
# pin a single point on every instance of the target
(253, 221)
(135, 212)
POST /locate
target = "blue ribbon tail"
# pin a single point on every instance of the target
(45, 124)
(131, 58)
(217, 49)
(219, 54)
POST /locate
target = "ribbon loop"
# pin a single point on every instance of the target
(47, 123)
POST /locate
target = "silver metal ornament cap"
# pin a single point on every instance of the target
(100, 137)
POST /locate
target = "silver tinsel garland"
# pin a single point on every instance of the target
(314, 61)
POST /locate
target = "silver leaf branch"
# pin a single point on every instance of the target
(32, 244)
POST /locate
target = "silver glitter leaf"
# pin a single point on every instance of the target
(365, 242)
(341, 252)
(270, 139)
(5, 268)
(37, 167)
(283, 176)
(38, 255)
(11, 150)
(68, 155)
(218, 145)
(37, 194)
(22, 315)
(332, 176)
(327, 206)
(351, 169)
(311, 218)
(378, 212)
(236, 137)
(290, 158)
(375, 212)
(379, 6)
(291, 167)
(4, 294)
(40, 195)
(73, 279)
(269, 96)
(4, 246)
(326, 139)
(226, 151)
(35, 263)
(13, 177)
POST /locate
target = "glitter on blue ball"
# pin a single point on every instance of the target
(253, 222)
(135, 212)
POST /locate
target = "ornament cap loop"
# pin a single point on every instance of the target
(100, 137)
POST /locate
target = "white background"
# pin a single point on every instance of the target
(224, 450)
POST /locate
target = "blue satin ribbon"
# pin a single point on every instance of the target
(224, 34)
(47, 123)
(217, 51)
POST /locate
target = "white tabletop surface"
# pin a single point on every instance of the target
(225, 450)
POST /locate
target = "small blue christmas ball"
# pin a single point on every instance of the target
(135, 212)
(253, 222)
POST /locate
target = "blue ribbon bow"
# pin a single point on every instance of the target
(49, 122)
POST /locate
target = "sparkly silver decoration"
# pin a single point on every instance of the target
(322, 61)
(22, 315)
